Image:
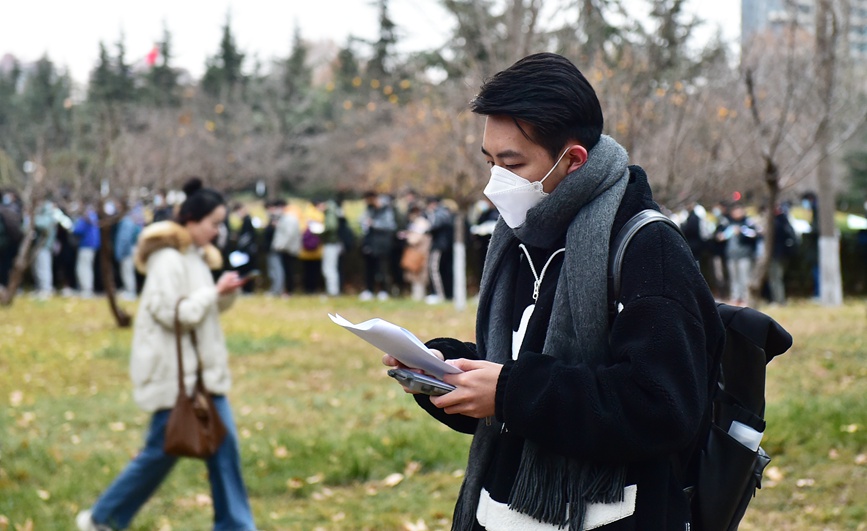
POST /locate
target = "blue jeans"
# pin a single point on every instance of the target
(121, 501)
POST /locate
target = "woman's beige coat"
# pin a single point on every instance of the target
(176, 268)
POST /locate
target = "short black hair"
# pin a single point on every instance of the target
(548, 92)
(199, 202)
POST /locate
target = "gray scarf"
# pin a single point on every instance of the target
(549, 487)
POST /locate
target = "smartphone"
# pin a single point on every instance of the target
(250, 275)
(420, 383)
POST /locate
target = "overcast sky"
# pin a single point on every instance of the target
(69, 31)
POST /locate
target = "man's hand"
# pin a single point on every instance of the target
(476, 389)
(390, 361)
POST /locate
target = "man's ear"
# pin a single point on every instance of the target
(577, 156)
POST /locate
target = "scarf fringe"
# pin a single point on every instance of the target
(556, 490)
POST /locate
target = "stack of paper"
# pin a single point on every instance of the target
(398, 342)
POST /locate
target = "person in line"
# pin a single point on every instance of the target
(312, 219)
(86, 230)
(46, 221)
(442, 238)
(378, 228)
(785, 247)
(125, 237)
(741, 238)
(416, 252)
(287, 243)
(331, 245)
(246, 244)
(578, 405)
(178, 258)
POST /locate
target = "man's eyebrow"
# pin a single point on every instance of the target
(503, 154)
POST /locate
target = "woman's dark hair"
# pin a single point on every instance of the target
(199, 203)
(548, 92)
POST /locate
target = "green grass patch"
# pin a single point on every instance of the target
(324, 432)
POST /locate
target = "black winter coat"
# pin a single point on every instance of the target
(645, 407)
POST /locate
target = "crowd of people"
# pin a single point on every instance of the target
(729, 242)
(401, 246)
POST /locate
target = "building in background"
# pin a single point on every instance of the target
(761, 16)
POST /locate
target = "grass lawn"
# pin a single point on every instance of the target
(329, 442)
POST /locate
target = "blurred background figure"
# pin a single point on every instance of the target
(741, 237)
(785, 248)
(286, 244)
(378, 228)
(416, 253)
(125, 238)
(313, 221)
(442, 239)
(10, 233)
(486, 219)
(246, 244)
(46, 220)
(86, 230)
(332, 247)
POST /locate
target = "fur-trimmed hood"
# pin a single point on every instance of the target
(164, 234)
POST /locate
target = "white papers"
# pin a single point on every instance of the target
(398, 342)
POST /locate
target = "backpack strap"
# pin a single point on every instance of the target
(621, 241)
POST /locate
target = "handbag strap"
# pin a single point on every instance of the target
(178, 336)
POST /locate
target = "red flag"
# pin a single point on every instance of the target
(152, 56)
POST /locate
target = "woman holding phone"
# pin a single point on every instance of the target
(177, 258)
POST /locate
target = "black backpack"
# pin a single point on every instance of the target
(721, 474)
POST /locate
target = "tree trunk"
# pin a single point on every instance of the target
(459, 262)
(760, 273)
(22, 260)
(106, 266)
(830, 278)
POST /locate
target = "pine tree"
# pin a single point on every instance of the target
(223, 72)
(347, 73)
(162, 80)
(379, 67)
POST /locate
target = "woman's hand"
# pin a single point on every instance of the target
(229, 282)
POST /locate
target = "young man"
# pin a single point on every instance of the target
(577, 416)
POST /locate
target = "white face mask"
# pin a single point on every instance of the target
(514, 195)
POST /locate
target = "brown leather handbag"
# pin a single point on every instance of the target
(194, 428)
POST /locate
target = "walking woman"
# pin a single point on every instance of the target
(177, 257)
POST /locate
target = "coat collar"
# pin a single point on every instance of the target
(158, 236)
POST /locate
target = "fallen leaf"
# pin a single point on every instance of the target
(312, 480)
(805, 482)
(861, 459)
(338, 517)
(294, 483)
(15, 398)
(411, 468)
(117, 426)
(851, 428)
(417, 526)
(281, 452)
(203, 500)
(393, 480)
(774, 474)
